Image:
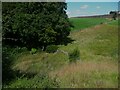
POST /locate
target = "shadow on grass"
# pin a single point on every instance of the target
(65, 41)
(8, 58)
(68, 40)
(7, 72)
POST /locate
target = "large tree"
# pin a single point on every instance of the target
(35, 24)
(114, 14)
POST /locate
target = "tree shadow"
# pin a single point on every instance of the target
(65, 41)
(68, 40)
(7, 72)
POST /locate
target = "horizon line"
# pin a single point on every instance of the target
(89, 15)
(92, 0)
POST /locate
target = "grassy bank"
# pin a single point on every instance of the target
(97, 66)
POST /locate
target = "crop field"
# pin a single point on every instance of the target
(97, 66)
(81, 23)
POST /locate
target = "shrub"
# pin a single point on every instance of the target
(33, 50)
(51, 48)
(75, 55)
(23, 49)
(19, 50)
(7, 61)
(39, 49)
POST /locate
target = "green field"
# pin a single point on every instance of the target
(81, 23)
(97, 67)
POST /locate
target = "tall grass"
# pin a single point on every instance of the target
(74, 55)
(97, 67)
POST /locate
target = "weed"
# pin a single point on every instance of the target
(33, 50)
(75, 55)
(51, 48)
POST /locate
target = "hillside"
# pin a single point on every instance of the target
(97, 66)
(82, 23)
(97, 16)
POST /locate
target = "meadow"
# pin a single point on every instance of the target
(97, 41)
(82, 23)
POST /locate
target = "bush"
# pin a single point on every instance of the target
(51, 48)
(23, 49)
(33, 50)
(7, 61)
(39, 49)
(75, 55)
(19, 50)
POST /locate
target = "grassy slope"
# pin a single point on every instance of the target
(81, 23)
(97, 66)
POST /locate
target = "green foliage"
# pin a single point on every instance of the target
(33, 50)
(6, 64)
(114, 14)
(39, 49)
(47, 82)
(51, 48)
(35, 24)
(75, 55)
(115, 22)
(38, 81)
(18, 50)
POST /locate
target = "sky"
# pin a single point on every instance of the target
(90, 8)
(92, 0)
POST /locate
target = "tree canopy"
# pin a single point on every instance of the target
(114, 14)
(35, 24)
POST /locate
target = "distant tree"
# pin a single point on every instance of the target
(35, 24)
(114, 14)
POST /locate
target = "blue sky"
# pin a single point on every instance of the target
(90, 8)
(92, 0)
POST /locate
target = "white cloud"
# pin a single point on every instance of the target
(84, 7)
(98, 7)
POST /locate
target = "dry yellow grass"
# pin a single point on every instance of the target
(87, 74)
(86, 67)
(98, 66)
(24, 62)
